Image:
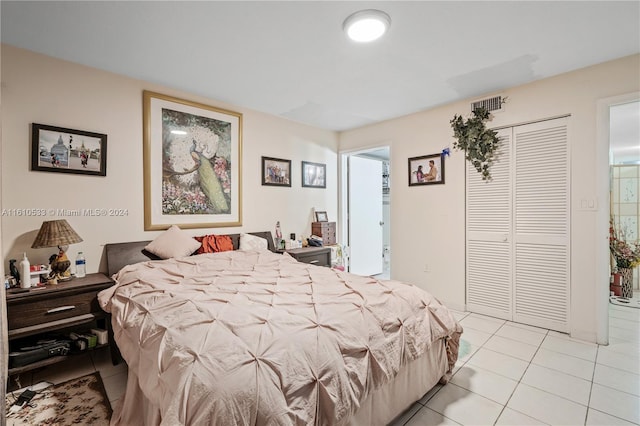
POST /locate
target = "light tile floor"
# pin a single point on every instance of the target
(513, 374)
(506, 374)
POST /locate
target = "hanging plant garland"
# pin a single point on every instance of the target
(478, 142)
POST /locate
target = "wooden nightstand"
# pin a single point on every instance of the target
(320, 256)
(57, 307)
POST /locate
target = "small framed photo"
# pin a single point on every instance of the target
(61, 150)
(314, 175)
(322, 217)
(276, 171)
(426, 170)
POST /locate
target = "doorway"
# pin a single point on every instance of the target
(624, 137)
(365, 211)
(603, 191)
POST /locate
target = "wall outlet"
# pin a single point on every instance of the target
(426, 267)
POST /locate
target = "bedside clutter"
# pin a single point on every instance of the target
(319, 249)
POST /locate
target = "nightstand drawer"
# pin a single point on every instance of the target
(320, 256)
(43, 311)
(314, 259)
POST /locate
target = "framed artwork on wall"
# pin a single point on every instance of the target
(192, 164)
(276, 171)
(314, 175)
(62, 150)
(426, 170)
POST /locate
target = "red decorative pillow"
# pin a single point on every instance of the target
(214, 243)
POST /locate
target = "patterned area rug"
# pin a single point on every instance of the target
(623, 301)
(80, 401)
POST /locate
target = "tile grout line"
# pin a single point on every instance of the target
(593, 376)
(520, 381)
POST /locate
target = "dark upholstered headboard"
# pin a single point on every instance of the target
(120, 255)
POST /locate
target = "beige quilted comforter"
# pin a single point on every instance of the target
(257, 338)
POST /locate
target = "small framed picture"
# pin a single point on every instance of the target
(276, 171)
(322, 217)
(314, 175)
(426, 170)
(61, 150)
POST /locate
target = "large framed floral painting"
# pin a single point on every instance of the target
(192, 164)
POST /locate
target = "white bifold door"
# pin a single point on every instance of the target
(518, 231)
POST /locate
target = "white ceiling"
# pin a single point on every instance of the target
(291, 58)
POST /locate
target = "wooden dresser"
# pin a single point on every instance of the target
(326, 230)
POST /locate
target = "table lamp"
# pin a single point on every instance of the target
(57, 233)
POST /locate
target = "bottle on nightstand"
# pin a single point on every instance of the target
(81, 266)
(25, 272)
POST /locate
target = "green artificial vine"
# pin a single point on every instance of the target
(478, 142)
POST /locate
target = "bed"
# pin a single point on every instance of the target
(258, 338)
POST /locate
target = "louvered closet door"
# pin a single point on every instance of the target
(489, 253)
(541, 224)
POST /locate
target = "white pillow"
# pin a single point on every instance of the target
(252, 242)
(173, 242)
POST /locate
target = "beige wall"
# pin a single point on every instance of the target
(40, 89)
(427, 222)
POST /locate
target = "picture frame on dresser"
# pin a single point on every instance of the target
(314, 175)
(63, 150)
(192, 156)
(276, 172)
(322, 217)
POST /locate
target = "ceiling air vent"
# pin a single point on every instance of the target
(491, 104)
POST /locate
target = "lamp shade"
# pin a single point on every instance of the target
(55, 233)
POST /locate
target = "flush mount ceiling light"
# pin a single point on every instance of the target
(366, 25)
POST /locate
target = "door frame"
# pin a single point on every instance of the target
(343, 189)
(603, 211)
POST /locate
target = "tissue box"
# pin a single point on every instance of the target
(101, 335)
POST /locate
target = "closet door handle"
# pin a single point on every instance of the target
(60, 309)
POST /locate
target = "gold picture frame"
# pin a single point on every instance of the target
(192, 156)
